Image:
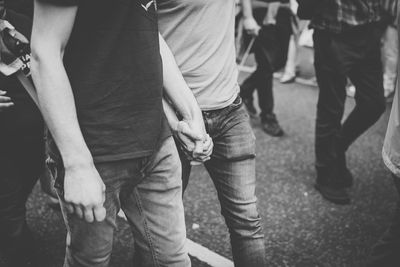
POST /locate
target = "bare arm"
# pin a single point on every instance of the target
(249, 23)
(83, 187)
(182, 98)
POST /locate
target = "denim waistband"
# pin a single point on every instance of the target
(236, 103)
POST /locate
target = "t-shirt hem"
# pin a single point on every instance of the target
(124, 156)
(133, 155)
(220, 106)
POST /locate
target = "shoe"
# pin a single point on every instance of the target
(330, 187)
(248, 103)
(335, 194)
(344, 176)
(270, 126)
(287, 78)
(347, 179)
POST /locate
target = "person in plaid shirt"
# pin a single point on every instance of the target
(347, 43)
(338, 15)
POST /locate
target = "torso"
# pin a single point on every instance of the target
(200, 34)
(114, 65)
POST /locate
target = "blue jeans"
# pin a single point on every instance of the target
(232, 169)
(149, 191)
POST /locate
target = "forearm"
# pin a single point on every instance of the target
(58, 108)
(173, 120)
(175, 87)
(247, 9)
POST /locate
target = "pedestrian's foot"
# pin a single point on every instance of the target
(248, 103)
(334, 194)
(271, 126)
(288, 78)
(343, 174)
(346, 178)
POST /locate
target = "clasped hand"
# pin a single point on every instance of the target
(195, 143)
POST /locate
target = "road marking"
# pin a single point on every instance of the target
(199, 252)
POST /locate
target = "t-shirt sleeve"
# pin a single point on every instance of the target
(61, 2)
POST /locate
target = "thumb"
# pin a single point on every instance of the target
(198, 148)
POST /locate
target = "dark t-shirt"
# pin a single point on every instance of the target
(114, 66)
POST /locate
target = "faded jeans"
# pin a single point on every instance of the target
(149, 191)
(232, 169)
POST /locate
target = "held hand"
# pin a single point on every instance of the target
(5, 101)
(250, 26)
(202, 151)
(196, 145)
(84, 193)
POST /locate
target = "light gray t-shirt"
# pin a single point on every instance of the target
(200, 34)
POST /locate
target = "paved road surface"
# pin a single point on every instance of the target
(301, 228)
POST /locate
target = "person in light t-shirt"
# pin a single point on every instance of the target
(200, 34)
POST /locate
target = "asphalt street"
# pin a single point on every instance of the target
(301, 228)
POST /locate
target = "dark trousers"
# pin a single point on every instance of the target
(21, 163)
(270, 51)
(387, 251)
(354, 54)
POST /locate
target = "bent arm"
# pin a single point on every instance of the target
(176, 89)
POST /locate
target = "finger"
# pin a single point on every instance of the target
(5, 99)
(78, 211)
(202, 158)
(69, 208)
(88, 214)
(19, 36)
(4, 106)
(195, 163)
(198, 148)
(3, 92)
(103, 193)
(208, 143)
(99, 213)
(209, 151)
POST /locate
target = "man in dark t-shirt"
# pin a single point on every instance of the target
(103, 107)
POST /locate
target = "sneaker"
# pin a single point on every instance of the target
(335, 194)
(271, 126)
(330, 187)
(345, 177)
(248, 103)
(287, 78)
